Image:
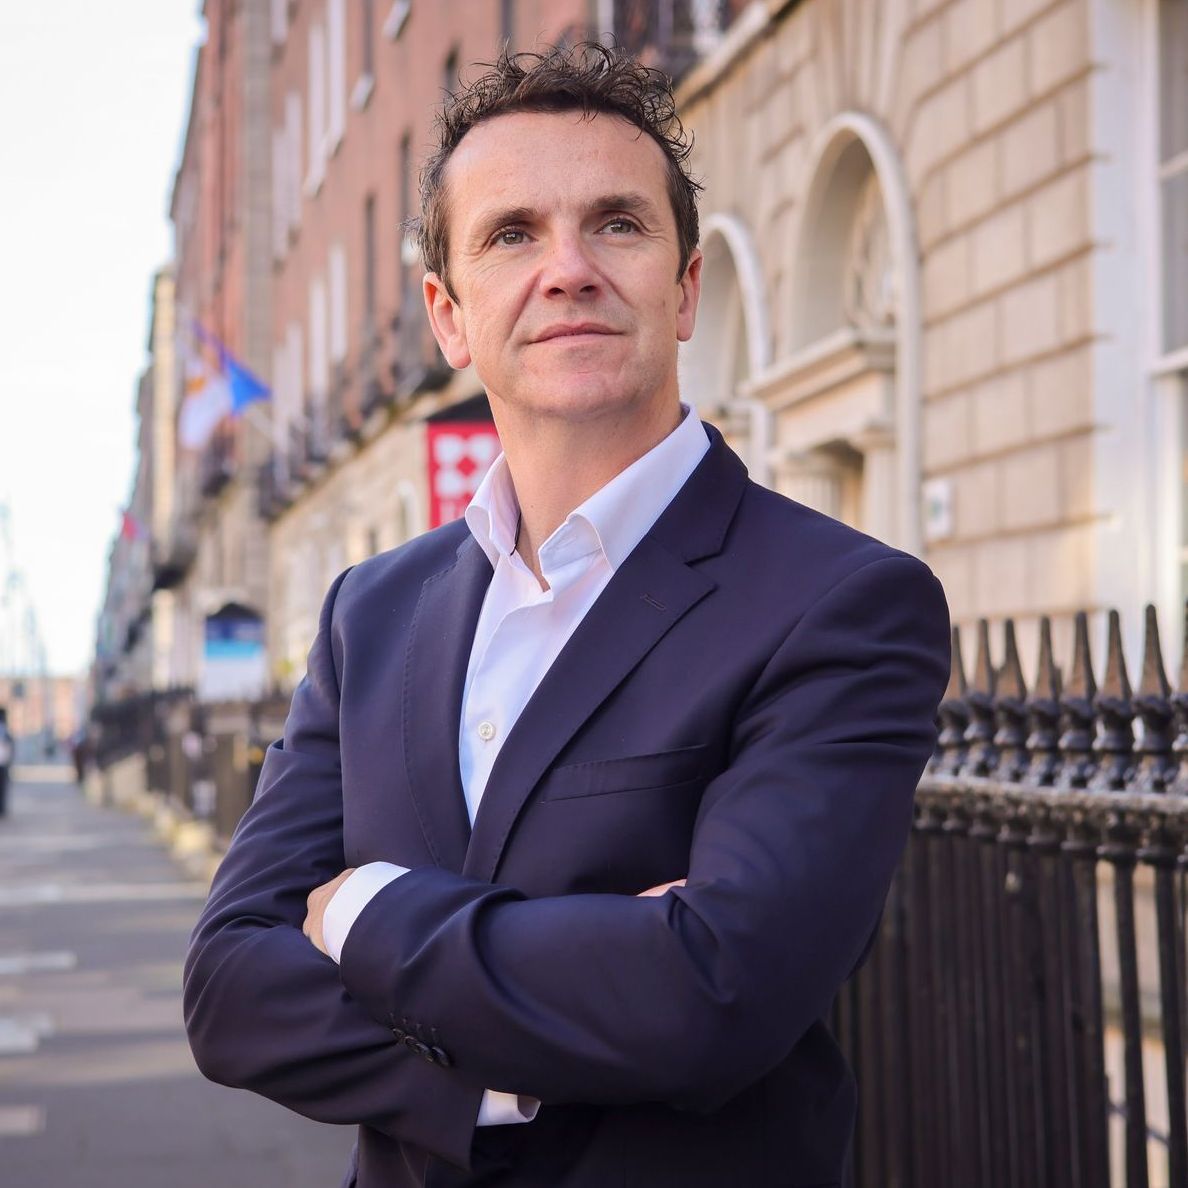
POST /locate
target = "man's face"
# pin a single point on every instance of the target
(564, 257)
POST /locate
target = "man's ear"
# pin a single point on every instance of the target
(445, 318)
(690, 294)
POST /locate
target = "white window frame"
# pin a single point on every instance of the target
(293, 159)
(336, 96)
(316, 103)
(280, 21)
(280, 195)
(394, 21)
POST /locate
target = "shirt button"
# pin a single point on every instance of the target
(486, 731)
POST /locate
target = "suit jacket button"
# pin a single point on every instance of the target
(421, 1048)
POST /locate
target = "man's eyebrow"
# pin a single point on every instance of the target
(490, 223)
(635, 204)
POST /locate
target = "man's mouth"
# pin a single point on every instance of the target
(574, 331)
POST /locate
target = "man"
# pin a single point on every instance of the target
(587, 804)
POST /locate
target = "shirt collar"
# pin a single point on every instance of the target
(613, 520)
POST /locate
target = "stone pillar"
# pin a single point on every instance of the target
(880, 495)
(812, 477)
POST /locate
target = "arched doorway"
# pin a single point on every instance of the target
(732, 341)
(845, 403)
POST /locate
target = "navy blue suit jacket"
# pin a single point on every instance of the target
(749, 703)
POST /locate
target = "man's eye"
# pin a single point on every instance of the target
(509, 237)
(621, 226)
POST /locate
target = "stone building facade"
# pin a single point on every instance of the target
(933, 242)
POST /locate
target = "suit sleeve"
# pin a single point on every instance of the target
(690, 997)
(264, 1009)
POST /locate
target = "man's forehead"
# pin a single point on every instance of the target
(518, 148)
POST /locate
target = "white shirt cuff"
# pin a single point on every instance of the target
(505, 1109)
(351, 898)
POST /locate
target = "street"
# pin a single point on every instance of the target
(97, 1084)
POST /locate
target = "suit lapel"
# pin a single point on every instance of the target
(648, 595)
(438, 654)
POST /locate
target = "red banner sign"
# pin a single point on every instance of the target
(460, 453)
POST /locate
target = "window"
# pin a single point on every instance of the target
(319, 366)
(368, 7)
(280, 196)
(449, 74)
(394, 22)
(338, 304)
(294, 373)
(317, 109)
(335, 74)
(293, 158)
(404, 197)
(507, 21)
(369, 265)
(365, 83)
(280, 21)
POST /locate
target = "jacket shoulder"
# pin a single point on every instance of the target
(805, 548)
(408, 564)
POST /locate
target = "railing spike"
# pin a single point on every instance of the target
(1114, 745)
(953, 714)
(1077, 727)
(1081, 683)
(1010, 712)
(1115, 683)
(1153, 704)
(1043, 714)
(1153, 681)
(979, 735)
(984, 677)
(1010, 676)
(1047, 675)
(957, 683)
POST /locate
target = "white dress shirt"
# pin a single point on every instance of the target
(522, 628)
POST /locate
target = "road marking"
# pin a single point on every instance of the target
(56, 843)
(47, 893)
(43, 773)
(22, 1034)
(48, 961)
(16, 1121)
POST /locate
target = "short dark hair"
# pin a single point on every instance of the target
(588, 77)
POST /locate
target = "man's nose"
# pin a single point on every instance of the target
(568, 267)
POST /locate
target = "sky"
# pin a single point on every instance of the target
(93, 103)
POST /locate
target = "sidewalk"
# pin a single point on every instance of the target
(97, 1085)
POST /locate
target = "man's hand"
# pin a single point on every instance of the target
(660, 888)
(315, 904)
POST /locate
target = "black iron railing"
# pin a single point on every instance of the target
(1028, 984)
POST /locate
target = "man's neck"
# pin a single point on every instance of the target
(556, 466)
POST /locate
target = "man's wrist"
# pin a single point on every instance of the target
(351, 898)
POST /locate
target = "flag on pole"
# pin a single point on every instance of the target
(206, 400)
(244, 385)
